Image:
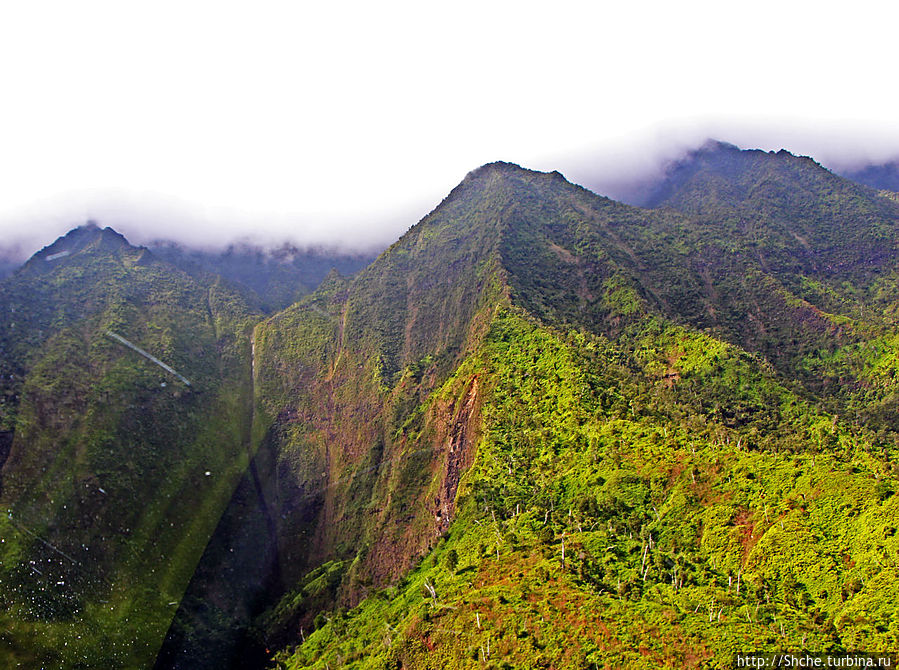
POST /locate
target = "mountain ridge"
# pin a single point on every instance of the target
(536, 273)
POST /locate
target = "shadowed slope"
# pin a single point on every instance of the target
(115, 471)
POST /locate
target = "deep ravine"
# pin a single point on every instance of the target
(238, 575)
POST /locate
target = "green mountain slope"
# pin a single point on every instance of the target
(115, 470)
(549, 369)
(347, 460)
(605, 520)
(798, 264)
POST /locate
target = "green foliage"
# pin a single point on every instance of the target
(680, 409)
(682, 543)
(107, 499)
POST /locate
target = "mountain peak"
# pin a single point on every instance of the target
(712, 145)
(82, 236)
(88, 236)
(508, 169)
(729, 166)
(497, 166)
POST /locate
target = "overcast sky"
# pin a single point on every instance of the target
(347, 122)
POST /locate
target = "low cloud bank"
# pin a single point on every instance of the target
(622, 169)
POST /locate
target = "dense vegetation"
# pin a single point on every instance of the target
(115, 471)
(701, 416)
(608, 519)
(542, 429)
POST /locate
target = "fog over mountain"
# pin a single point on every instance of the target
(321, 125)
(623, 169)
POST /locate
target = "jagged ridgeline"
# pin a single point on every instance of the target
(543, 429)
(115, 469)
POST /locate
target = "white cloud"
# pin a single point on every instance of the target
(347, 121)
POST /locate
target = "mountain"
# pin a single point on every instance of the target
(115, 469)
(542, 429)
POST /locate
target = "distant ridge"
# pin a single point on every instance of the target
(883, 176)
(271, 278)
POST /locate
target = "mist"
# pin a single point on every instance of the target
(315, 125)
(625, 169)
(151, 220)
(622, 168)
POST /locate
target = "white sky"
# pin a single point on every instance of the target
(346, 122)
